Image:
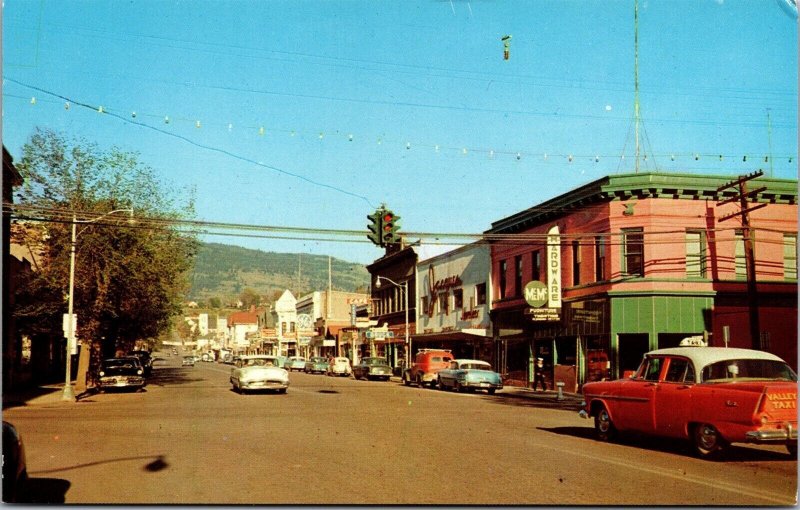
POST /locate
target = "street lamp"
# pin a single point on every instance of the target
(403, 287)
(68, 393)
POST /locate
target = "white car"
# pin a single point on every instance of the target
(258, 373)
(339, 366)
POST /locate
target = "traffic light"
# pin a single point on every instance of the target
(390, 224)
(375, 228)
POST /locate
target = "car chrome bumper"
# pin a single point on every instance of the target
(787, 433)
(265, 385)
(482, 385)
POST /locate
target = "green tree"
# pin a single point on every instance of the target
(249, 297)
(129, 278)
(215, 302)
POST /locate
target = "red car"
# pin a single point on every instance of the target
(713, 396)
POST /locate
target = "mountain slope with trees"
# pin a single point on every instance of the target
(223, 272)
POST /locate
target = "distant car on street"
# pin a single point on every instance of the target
(188, 361)
(295, 363)
(259, 372)
(469, 375)
(372, 368)
(712, 396)
(121, 373)
(339, 366)
(316, 364)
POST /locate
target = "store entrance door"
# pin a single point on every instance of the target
(631, 349)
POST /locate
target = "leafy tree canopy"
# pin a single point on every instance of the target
(130, 276)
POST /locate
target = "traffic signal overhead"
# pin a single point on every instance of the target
(375, 228)
(390, 224)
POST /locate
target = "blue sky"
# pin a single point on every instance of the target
(405, 103)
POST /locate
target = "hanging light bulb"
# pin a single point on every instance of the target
(645, 157)
(436, 147)
(408, 145)
(350, 137)
(790, 159)
(744, 158)
(766, 159)
(720, 157)
(519, 156)
(292, 133)
(133, 115)
(597, 159)
(66, 105)
(100, 109)
(570, 158)
(230, 127)
(321, 135)
(491, 154)
(197, 124)
(545, 156)
(464, 151)
(261, 131)
(166, 119)
(672, 157)
(33, 100)
(697, 157)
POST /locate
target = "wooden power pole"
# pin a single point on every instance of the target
(749, 252)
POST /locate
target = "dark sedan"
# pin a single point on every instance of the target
(121, 373)
(372, 368)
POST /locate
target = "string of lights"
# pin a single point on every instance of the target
(266, 130)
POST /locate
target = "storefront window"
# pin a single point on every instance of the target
(458, 299)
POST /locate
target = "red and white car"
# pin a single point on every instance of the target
(713, 396)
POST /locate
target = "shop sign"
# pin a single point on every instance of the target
(536, 294)
(590, 316)
(543, 314)
(469, 314)
(446, 283)
(554, 268)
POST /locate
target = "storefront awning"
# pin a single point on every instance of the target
(453, 336)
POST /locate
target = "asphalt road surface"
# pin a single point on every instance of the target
(189, 439)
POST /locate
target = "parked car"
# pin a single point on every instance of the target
(316, 364)
(188, 361)
(426, 366)
(712, 396)
(295, 363)
(339, 366)
(372, 368)
(469, 375)
(15, 467)
(145, 358)
(121, 373)
(259, 372)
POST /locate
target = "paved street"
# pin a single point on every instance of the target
(189, 439)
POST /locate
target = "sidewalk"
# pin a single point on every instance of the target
(49, 394)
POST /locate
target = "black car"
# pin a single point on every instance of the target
(15, 469)
(146, 359)
(121, 373)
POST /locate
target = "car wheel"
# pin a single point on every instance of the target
(282, 390)
(440, 385)
(406, 381)
(603, 425)
(490, 391)
(457, 387)
(707, 440)
(792, 447)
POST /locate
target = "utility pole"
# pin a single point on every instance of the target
(747, 237)
(636, 79)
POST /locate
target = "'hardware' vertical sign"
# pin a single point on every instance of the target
(554, 268)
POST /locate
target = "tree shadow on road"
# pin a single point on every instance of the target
(541, 402)
(45, 491)
(169, 376)
(735, 453)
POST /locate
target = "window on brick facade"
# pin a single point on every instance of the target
(518, 276)
(695, 254)
(790, 256)
(536, 265)
(599, 258)
(740, 261)
(576, 263)
(503, 268)
(633, 251)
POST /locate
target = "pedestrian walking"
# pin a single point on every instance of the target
(539, 375)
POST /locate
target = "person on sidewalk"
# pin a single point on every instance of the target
(539, 375)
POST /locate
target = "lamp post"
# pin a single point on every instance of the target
(68, 393)
(403, 287)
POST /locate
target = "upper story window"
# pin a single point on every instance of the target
(536, 265)
(480, 294)
(458, 299)
(740, 260)
(518, 275)
(633, 251)
(790, 256)
(576, 262)
(444, 302)
(503, 269)
(599, 258)
(695, 254)
(423, 305)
